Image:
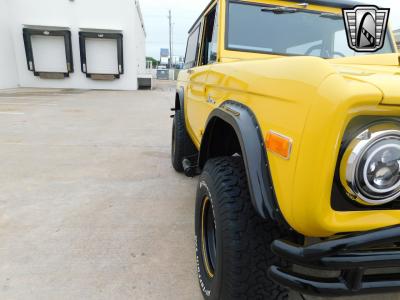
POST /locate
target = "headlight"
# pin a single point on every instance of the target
(370, 167)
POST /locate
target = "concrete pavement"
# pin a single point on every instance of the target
(90, 207)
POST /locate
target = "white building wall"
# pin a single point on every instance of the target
(140, 33)
(108, 15)
(8, 67)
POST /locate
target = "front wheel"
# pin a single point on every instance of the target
(232, 242)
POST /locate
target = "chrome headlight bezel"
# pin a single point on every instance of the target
(353, 158)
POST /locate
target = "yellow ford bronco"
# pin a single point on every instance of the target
(296, 138)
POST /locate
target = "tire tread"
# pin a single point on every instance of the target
(246, 236)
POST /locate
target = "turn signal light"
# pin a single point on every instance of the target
(279, 144)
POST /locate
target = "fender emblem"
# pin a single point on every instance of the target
(211, 100)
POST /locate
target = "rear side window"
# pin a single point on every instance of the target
(192, 48)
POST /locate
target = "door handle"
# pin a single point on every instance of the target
(190, 71)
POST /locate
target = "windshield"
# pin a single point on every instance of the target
(289, 31)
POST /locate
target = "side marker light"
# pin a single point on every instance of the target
(279, 144)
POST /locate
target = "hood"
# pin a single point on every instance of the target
(382, 71)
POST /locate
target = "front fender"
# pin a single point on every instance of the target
(248, 132)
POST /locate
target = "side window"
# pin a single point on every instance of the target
(209, 46)
(192, 48)
(212, 50)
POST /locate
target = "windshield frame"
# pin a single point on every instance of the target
(299, 9)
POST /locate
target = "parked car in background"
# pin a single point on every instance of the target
(162, 73)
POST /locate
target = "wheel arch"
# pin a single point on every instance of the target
(238, 124)
(179, 99)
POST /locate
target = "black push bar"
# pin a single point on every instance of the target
(352, 255)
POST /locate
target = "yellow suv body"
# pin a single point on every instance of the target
(274, 110)
(309, 99)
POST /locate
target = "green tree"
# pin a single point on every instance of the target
(154, 61)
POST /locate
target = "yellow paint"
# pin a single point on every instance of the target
(309, 99)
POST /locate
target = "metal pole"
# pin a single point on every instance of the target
(172, 42)
(170, 39)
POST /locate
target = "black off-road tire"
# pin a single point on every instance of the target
(182, 146)
(242, 237)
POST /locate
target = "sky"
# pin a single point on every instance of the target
(185, 13)
(155, 13)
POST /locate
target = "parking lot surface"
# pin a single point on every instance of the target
(90, 207)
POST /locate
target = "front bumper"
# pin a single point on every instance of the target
(352, 255)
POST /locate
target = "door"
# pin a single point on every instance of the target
(196, 95)
(199, 104)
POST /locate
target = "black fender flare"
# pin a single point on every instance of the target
(180, 99)
(190, 149)
(249, 134)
